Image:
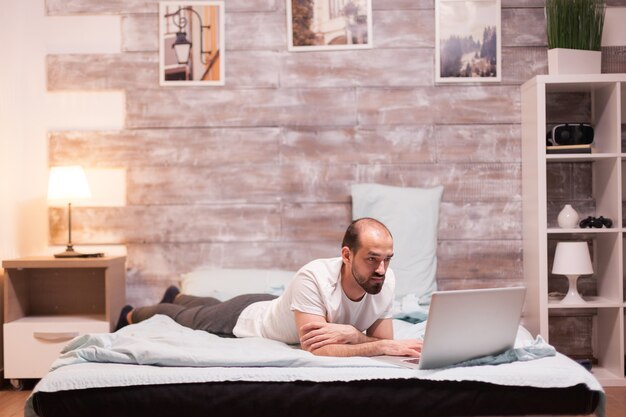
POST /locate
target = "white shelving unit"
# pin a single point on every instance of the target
(608, 111)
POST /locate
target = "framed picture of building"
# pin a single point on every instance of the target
(319, 25)
(191, 43)
(468, 41)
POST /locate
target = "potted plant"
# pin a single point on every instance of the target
(574, 29)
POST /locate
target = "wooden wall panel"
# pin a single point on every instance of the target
(140, 32)
(522, 63)
(301, 222)
(169, 223)
(399, 144)
(472, 261)
(442, 104)
(399, 28)
(386, 68)
(525, 27)
(462, 182)
(193, 107)
(240, 183)
(478, 143)
(257, 173)
(158, 147)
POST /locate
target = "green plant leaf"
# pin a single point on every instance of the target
(575, 24)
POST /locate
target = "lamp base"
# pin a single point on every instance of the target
(69, 253)
(572, 297)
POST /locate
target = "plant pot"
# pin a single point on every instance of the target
(574, 61)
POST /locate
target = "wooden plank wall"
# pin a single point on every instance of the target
(257, 173)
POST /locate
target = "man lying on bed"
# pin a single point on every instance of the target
(333, 307)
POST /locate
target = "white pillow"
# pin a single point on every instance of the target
(225, 284)
(412, 216)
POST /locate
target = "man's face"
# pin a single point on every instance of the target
(370, 261)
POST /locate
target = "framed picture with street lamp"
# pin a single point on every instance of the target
(191, 43)
(468, 41)
(320, 25)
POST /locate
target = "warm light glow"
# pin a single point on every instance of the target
(68, 183)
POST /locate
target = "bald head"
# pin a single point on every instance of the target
(359, 227)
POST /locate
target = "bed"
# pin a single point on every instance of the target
(157, 368)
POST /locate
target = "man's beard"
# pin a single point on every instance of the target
(366, 284)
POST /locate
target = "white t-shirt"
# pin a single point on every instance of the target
(315, 289)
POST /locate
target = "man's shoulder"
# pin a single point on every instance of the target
(322, 268)
(323, 263)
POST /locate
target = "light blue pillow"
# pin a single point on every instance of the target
(412, 216)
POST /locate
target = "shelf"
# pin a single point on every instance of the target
(578, 83)
(580, 157)
(590, 302)
(585, 231)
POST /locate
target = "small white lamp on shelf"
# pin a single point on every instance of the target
(572, 259)
(66, 184)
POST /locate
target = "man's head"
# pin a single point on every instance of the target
(366, 251)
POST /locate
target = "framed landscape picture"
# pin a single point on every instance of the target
(468, 41)
(319, 25)
(191, 43)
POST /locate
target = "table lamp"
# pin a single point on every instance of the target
(572, 259)
(68, 183)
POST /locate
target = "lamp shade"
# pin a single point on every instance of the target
(67, 183)
(572, 258)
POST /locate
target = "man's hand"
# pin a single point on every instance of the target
(409, 347)
(318, 333)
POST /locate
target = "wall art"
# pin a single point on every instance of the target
(320, 25)
(468, 41)
(191, 43)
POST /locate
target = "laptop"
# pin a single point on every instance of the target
(467, 324)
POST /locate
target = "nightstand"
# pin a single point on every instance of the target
(49, 301)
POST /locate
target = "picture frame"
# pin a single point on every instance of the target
(468, 46)
(326, 25)
(193, 30)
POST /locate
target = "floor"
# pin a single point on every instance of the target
(12, 402)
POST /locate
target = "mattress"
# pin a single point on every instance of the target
(396, 398)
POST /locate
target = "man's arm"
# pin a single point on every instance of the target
(329, 339)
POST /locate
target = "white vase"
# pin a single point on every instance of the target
(574, 61)
(568, 217)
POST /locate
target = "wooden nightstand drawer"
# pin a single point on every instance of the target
(31, 344)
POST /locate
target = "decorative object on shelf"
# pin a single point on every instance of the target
(191, 43)
(66, 184)
(568, 217)
(597, 222)
(468, 41)
(322, 25)
(570, 134)
(574, 29)
(572, 259)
